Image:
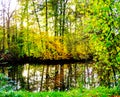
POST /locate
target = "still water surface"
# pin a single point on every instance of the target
(38, 77)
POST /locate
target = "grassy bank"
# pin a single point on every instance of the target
(96, 92)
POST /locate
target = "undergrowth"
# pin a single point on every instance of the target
(95, 92)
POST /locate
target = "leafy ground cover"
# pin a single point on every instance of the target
(95, 92)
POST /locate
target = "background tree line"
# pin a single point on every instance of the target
(58, 29)
(43, 28)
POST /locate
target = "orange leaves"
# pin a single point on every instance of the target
(54, 49)
(48, 47)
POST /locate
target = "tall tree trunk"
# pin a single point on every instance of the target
(8, 32)
(10, 71)
(41, 83)
(62, 85)
(84, 75)
(69, 81)
(56, 82)
(3, 69)
(75, 74)
(93, 78)
(56, 17)
(3, 47)
(88, 76)
(100, 75)
(46, 27)
(114, 74)
(108, 78)
(37, 18)
(28, 43)
(17, 76)
(63, 20)
(47, 77)
(16, 29)
(28, 77)
(71, 70)
(46, 16)
(9, 15)
(34, 75)
(21, 79)
(61, 17)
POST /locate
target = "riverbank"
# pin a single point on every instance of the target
(95, 92)
(13, 59)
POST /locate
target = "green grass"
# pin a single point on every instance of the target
(95, 92)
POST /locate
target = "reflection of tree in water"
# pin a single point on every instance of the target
(15, 76)
(35, 77)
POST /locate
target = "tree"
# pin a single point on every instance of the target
(3, 14)
(103, 23)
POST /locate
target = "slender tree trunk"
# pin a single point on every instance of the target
(28, 77)
(100, 75)
(28, 43)
(114, 73)
(46, 16)
(55, 8)
(69, 78)
(9, 15)
(75, 74)
(61, 17)
(47, 77)
(63, 20)
(88, 76)
(108, 78)
(21, 35)
(56, 82)
(3, 70)
(15, 30)
(56, 17)
(92, 78)
(34, 74)
(8, 32)
(21, 79)
(41, 83)
(10, 71)
(47, 68)
(3, 48)
(13, 73)
(70, 72)
(62, 85)
(17, 77)
(37, 18)
(84, 75)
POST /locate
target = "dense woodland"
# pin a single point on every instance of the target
(63, 29)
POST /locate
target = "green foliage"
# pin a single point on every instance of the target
(4, 83)
(3, 79)
(96, 92)
(118, 57)
(87, 27)
(102, 24)
(9, 94)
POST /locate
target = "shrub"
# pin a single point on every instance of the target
(6, 84)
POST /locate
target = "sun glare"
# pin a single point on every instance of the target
(8, 4)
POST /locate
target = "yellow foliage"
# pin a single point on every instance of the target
(51, 47)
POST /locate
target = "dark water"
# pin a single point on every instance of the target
(38, 77)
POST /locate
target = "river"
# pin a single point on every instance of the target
(39, 77)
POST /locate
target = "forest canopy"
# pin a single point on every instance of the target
(59, 29)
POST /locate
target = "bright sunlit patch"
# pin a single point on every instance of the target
(10, 5)
(25, 73)
(25, 24)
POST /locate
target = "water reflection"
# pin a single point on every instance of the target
(36, 77)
